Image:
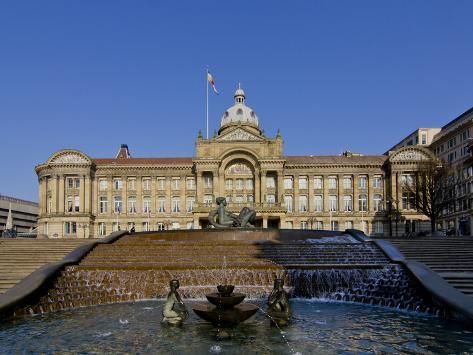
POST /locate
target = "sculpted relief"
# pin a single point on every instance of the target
(239, 135)
(69, 158)
(410, 155)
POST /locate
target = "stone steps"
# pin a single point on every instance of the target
(20, 257)
(450, 257)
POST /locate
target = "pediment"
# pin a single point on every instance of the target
(239, 134)
(411, 155)
(69, 157)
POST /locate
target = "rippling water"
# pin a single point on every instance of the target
(317, 328)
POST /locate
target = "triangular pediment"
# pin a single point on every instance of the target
(239, 134)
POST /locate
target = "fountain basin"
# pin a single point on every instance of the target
(225, 318)
(222, 301)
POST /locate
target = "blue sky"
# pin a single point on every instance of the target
(332, 75)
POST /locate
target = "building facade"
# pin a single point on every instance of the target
(24, 214)
(82, 197)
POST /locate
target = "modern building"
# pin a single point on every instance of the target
(24, 213)
(421, 136)
(81, 196)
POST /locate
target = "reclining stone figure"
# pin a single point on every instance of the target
(220, 218)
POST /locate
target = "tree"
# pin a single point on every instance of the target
(427, 192)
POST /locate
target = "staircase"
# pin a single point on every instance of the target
(450, 257)
(20, 257)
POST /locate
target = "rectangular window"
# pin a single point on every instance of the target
(288, 203)
(363, 203)
(363, 182)
(288, 182)
(146, 204)
(103, 204)
(76, 183)
(145, 226)
(332, 202)
(208, 200)
(318, 203)
(319, 225)
(407, 180)
(270, 182)
(190, 183)
(378, 203)
(76, 203)
(176, 204)
(408, 201)
(208, 181)
(161, 183)
(423, 138)
(302, 182)
(161, 204)
(117, 184)
(132, 204)
(318, 183)
(347, 204)
(347, 182)
(69, 204)
(160, 226)
(70, 227)
(132, 184)
(131, 226)
(146, 184)
(117, 204)
(378, 182)
(334, 226)
(190, 204)
(239, 184)
(102, 229)
(270, 199)
(303, 204)
(332, 183)
(378, 227)
(70, 183)
(249, 184)
(103, 185)
(115, 226)
(304, 225)
(176, 183)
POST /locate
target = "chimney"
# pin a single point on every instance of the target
(123, 153)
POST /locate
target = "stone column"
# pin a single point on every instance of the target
(310, 194)
(263, 186)
(82, 194)
(356, 192)
(280, 187)
(61, 193)
(257, 187)
(200, 188)
(87, 194)
(326, 207)
(94, 197)
(110, 195)
(55, 194)
(139, 196)
(295, 186)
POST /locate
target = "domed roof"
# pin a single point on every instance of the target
(239, 113)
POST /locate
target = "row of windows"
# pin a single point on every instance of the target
(378, 226)
(117, 183)
(147, 204)
(239, 184)
(333, 203)
(145, 226)
(332, 182)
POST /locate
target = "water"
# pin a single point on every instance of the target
(317, 328)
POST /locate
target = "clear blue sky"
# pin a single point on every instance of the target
(332, 75)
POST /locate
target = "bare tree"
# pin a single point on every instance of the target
(428, 190)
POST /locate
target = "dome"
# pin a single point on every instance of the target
(239, 113)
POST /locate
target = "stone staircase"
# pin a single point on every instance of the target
(450, 257)
(20, 257)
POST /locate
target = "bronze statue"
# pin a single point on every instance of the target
(174, 311)
(278, 304)
(220, 218)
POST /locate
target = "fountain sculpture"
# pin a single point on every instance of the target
(220, 218)
(278, 305)
(174, 311)
(226, 309)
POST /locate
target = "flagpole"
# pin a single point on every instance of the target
(207, 104)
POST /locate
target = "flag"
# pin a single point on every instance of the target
(211, 81)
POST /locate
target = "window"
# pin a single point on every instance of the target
(176, 183)
(270, 199)
(332, 182)
(70, 227)
(378, 182)
(190, 183)
(102, 229)
(363, 203)
(160, 226)
(161, 183)
(288, 203)
(69, 204)
(103, 204)
(229, 184)
(408, 201)
(250, 198)
(131, 226)
(239, 199)
(319, 225)
(190, 204)
(303, 204)
(304, 225)
(117, 204)
(239, 184)
(208, 200)
(288, 182)
(132, 184)
(334, 225)
(103, 185)
(362, 182)
(208, 180)
(145, 227)
(76, 203)
(115, 226)
(302, 182)
(146, 184)
(332, 202)
(161, 204)
(117, 184)
(347, 203)
(407, 180)
(176, 204)
(378, 202)
(347, 182)
(70, 183)
(348, 224)
(132, 204)
(318, 203)
(378, 227)
(289, 224)
(318, 183)
(249, 184)
(147, 204)
(423, 138)
(270, 182)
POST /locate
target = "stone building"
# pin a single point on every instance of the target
(24, 213)
(81, 196)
